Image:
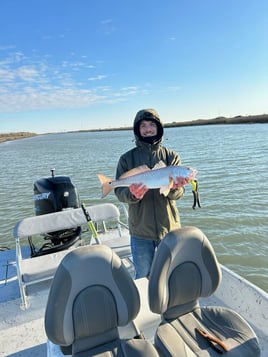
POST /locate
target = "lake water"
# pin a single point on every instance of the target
(232, 163)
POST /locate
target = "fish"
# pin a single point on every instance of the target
(160, 176)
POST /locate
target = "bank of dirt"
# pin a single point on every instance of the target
(15, 136)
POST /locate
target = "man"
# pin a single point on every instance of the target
(151, 214)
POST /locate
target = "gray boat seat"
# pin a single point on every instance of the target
(91, 295)
(185, 269)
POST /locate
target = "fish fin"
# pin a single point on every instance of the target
(164, 190)
(159, 165)
(135, 171)
(192, 175)
(106, 184)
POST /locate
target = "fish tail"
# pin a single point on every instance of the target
(193, 174)
(106, 184)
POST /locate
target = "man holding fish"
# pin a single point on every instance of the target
(149, 179)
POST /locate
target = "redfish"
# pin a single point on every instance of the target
(160, 176)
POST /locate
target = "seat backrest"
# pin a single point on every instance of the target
(184, 269)
(92, 294)
(62, 220)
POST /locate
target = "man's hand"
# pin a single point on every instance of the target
(138, 190)
(180, 182)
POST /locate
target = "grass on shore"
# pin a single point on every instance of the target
(15, 136)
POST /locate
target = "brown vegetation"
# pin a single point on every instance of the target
(15, 136)
(250, 119)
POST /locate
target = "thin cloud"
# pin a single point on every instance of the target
(97, 78)
(27, 74)
(46, 37)
(107, 26)
(106, 21)
(174, 88)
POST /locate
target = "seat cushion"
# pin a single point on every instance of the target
(180, 337)
(122, 348)
(41, 268)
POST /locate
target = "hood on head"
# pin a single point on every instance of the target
(152, 115)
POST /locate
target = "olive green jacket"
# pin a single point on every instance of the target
(155, 215)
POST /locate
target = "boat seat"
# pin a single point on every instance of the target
(185, 269)
(42, 268)
(91, 295)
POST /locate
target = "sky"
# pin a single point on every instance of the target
(84, 64)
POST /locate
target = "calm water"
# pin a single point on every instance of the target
(232, 161)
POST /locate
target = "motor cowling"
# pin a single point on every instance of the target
(54, 194)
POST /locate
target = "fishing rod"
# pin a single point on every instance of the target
(91, 224)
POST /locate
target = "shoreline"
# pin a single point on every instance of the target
(250, 119)
(15, 136)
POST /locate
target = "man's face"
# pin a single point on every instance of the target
(148, 128)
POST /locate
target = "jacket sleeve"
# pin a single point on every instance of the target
(122, 193)
(174, 159)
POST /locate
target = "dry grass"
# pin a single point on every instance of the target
(15, 136)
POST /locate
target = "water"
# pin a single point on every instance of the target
(232, 161)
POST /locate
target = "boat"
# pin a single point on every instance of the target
(28, 278)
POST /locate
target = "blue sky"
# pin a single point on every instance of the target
(84, 64)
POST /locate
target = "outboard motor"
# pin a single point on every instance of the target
(54, 194)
